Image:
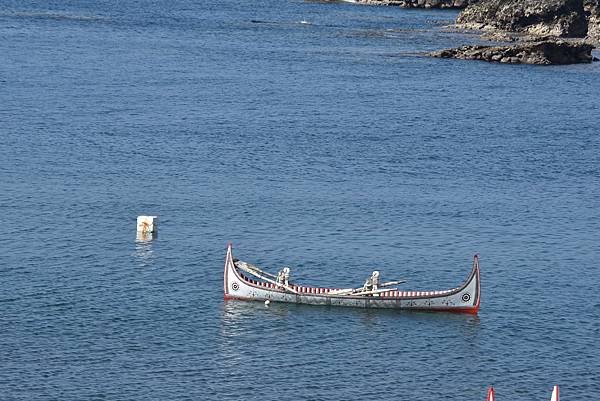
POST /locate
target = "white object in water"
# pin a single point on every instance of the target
(555, 394)
(267, 302)
(147, 224)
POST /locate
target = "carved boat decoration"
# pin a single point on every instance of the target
(247, 282)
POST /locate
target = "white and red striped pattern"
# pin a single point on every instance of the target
(318, 290)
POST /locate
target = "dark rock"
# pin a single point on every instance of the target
(563, 18)
(542, 53)
(499, 37)
(420, 3)
(592, 11)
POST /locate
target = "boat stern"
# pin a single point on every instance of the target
(227, 270)
(472, 289)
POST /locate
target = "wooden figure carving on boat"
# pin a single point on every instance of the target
(247, 282)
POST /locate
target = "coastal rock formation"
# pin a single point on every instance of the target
(542, 52)
(420, 3)
(592, 11)
(562, 18)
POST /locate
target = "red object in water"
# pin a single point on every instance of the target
(555, 394)
(490, 395)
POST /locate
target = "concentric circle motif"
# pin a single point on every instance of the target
(466, 297)
(235, 286)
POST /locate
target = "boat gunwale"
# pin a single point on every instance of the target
(474, 272)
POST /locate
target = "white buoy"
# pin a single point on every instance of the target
(555, 394)
(147, 228)
(267, 302)
(147, 224)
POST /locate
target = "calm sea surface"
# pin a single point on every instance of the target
(310, 135)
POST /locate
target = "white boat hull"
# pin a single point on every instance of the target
(463, 299)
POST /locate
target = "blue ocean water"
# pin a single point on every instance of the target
(313, 135)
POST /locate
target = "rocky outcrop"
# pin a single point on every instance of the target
(562, 18)
(542, 52)
(420, 3)
(592, 11)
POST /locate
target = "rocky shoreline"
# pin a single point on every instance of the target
(560, 18)
(592, 11)
(541, 28)
(545, 52)
(419, 3)
(533, 31)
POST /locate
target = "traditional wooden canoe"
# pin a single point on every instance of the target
(247, 282)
